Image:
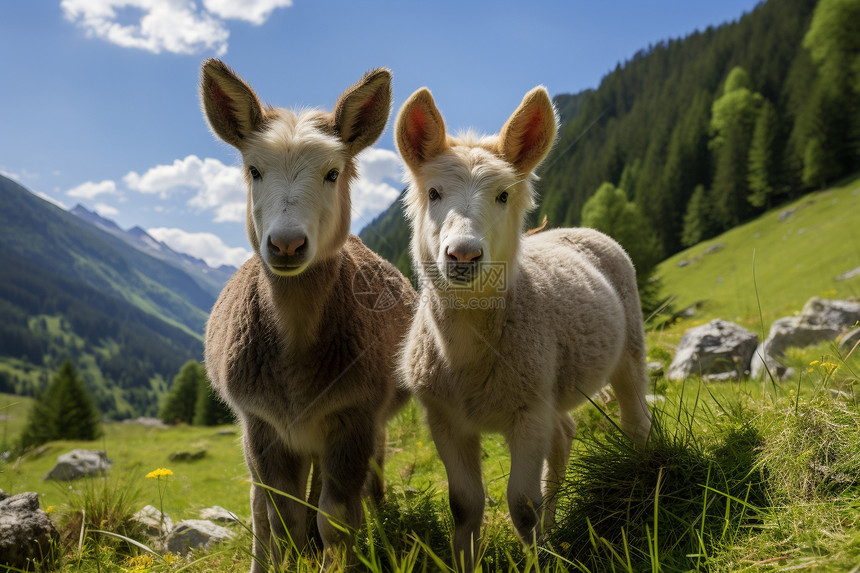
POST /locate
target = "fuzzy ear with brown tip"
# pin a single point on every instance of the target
(361, 112)
(529, 134)
(419, 130)
(231, 106)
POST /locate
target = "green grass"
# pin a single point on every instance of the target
(738, 476)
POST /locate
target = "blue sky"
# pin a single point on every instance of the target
(99, 103)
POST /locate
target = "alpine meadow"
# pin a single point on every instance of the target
(726, 163)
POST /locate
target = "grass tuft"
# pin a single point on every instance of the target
(668, 505)
(99, 504)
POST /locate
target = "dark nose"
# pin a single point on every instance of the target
(286, 245)
(463, 254)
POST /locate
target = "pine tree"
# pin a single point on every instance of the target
(609, 211)
(815, 164)
(764, 157)
(40, 423)
(733, 118)
(630, 175)
(833, 40)
(210, 410)
(698, 221)
(65, 411)
(181, 402)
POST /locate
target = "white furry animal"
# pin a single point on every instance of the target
(293, 343)
(512, 331)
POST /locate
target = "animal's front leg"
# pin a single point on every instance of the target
(279, 521)
(556, 466)
(374, 485)
(349, 445)
(461, 454)
(529, 444)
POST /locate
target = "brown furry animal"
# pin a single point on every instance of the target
(301, 342)
(511, 332)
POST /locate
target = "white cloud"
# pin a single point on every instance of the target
(91, 189)
(371, 193)
(204, 246)
(220, 188)
(254, 11)
(106, 210)
(50, 199)
(176, 26)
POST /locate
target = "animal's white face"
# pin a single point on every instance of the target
(468, 196)
(298, 166)
(299, 202)
(467, 207)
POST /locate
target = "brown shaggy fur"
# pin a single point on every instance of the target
(306, 360)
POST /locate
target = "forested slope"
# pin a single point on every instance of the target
(705, 132)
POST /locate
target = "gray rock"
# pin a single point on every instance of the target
(152, 522)
(655, 368)
(819, 320)
(187, 456)
(27, 535)
(848, 274)
(718, 350)
(196, 534)
(80, 463)
(786, 214)
(218, 514)
(147, 422)
(849, 341)
(714, 248)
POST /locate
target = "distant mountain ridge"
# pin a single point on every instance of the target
(71, 289)
(212, 279)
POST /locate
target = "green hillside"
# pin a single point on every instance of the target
(788, 255)
(60, 242)
(70, 290)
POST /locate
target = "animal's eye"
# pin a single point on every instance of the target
(433, 194)
(503, 197)
(332, 175)
(254, 173)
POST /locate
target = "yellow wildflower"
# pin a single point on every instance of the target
(830, 366)
(158, 473)
(141, 562)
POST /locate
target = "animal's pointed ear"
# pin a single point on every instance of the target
(420, 130)
(361, 112)
(529, 134)
(230, 105)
